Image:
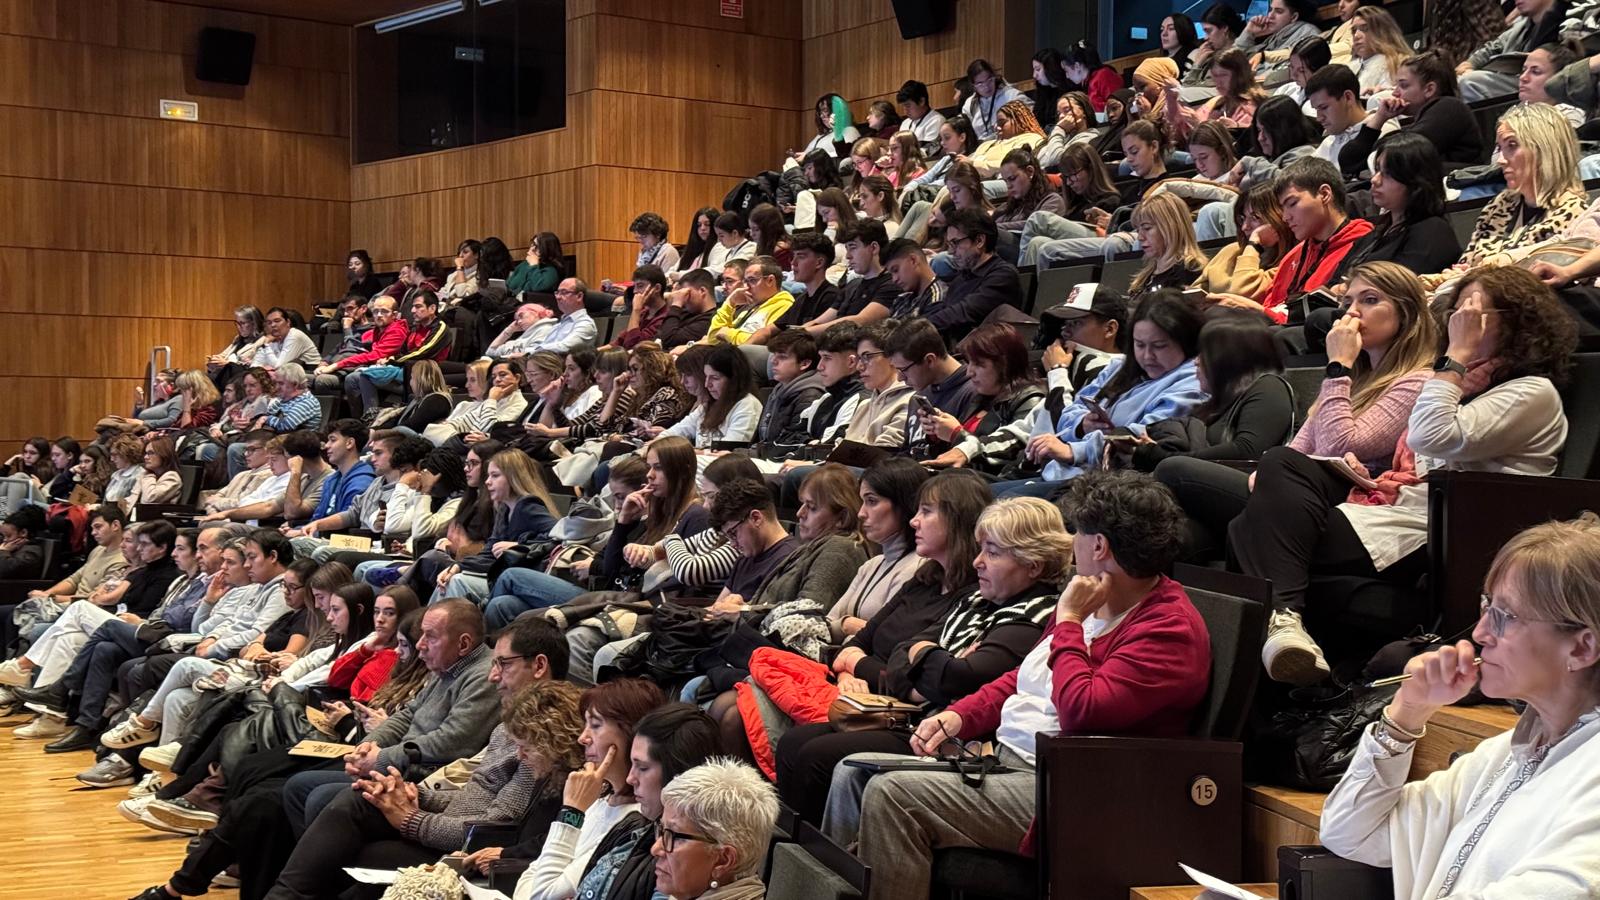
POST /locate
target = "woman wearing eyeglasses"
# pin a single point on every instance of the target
(1125, 653)
(716, 822)
(1491, 406)
(1517, 816)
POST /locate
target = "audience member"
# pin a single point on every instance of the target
(1491, 405)
(990, 92)
(1491, 69)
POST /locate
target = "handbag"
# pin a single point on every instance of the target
(871, 712)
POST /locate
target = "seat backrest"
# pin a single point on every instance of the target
(1053, 285)
(1462, 221)
(1119, 273)
(190, 479)
(1234, 608)
(813, 866)
(1307, 383)
(327, 401)
(1581, 401)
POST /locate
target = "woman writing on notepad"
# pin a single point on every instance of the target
(1490, 406)
(1515, 817)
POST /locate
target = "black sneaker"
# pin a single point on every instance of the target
(155, 892)
(52, 700)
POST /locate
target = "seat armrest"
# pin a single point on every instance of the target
(489, 834)
(1317, 873)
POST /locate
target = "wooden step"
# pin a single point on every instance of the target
(1276, 816)
(1189, 891)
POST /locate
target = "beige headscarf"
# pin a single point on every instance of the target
(1157, 70)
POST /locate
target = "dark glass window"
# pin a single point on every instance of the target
(477, 72)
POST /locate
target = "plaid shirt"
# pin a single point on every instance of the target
(300, 411)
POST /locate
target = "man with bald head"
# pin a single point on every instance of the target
(450, 717)
(384, 339)
(529, 326)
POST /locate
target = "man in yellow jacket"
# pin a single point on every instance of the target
(750, 308)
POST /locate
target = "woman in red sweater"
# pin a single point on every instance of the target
(1127, 654)
(353, 611)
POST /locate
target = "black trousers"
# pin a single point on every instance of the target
(1291, 530)
(806, 756)
(252, 830)
(349, 832)
(1212, 496)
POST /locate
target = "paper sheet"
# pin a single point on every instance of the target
(1218, 886)
(482, 893)
(371, 876)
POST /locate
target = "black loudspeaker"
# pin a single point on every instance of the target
(919, 18)
(225, 56)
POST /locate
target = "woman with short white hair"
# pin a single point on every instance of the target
(716, 821)
(1516, 817)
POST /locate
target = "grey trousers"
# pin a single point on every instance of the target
(901, 818)
(1043, 227)
(589, 649)
(1481, 85)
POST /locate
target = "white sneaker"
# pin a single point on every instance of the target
(42, 728)
(130, 734)
(133, 809)
(147, 786)
(1289, 654)
(12, 673)
(137, 811)
(160, 759)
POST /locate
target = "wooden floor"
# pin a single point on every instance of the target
(62, 841)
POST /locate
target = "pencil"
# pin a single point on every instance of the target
(1396, 679)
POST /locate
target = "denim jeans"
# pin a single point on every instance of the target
(518, 590)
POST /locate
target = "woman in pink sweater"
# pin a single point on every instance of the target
(1126, 654)
(1379, 355)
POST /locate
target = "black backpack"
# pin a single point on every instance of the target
(751, 193)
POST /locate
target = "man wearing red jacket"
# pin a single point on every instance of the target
(1311, 192)
(385, 339)
(426, 339)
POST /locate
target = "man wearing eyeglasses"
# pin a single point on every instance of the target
(574, 329)
(752, 305)
(983, 281)
(383, 340)
(500, 792)
(743, 511)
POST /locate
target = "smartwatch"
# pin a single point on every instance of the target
(1338, 370)
(1446, 364)
(570, 816)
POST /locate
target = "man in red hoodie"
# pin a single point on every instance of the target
(387, 337)
(1311, 192)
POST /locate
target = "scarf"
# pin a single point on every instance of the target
(1403, 470)
(1157, 70)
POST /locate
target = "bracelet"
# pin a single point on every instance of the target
(1390, 726)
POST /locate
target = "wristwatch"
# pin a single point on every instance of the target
(1338, 370)
(1446, 364)
(570, 816)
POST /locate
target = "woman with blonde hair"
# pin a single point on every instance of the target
(1512, 816)
(864, 157)
(1173, 259)
(1377, 47)
(1538, 152)
(200, 399)
(1382, 355)
(430, 400)
(472, 415)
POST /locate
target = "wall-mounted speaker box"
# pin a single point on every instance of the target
(919, 18)
(225, 56)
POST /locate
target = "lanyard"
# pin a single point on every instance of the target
(1308, 263)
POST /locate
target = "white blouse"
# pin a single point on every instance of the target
(1538, 840)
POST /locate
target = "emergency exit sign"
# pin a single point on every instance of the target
(733, 9)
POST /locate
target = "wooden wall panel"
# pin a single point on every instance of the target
(854, 47)
(668, 107)
(125, 231)
(155, 153)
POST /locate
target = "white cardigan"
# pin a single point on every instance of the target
(740, 425)
(1543, 843)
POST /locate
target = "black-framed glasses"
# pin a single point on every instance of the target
(500, 662)
(903, 369)
(955, 242)
(728, 531)
(1499, 618)
(869, 356)
(669, 839)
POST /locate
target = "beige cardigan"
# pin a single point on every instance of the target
(1236, 269)
(881, 421)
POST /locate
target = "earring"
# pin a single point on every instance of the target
(714, 884)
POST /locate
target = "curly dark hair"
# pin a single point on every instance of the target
(1136, 515)
(1537, 334)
